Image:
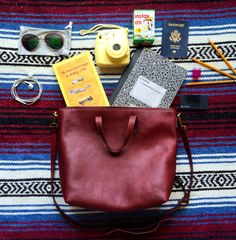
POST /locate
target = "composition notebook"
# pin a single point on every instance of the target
(79, 81)
(149, 81)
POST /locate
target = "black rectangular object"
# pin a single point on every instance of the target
(194, 102)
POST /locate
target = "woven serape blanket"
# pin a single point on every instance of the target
(27, 210)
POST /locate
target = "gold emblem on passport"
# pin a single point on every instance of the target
(175, 36)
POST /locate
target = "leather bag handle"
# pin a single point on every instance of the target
(132, 122)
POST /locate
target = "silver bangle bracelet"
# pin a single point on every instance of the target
(30, 81)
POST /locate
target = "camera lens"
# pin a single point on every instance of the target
(116, 47)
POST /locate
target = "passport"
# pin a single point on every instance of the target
(175, 39)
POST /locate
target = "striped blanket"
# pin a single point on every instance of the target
(26, 207)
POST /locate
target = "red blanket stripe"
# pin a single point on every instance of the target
(84, 7)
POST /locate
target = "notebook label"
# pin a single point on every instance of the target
(148, 92)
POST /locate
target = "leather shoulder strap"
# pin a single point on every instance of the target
(150, 228)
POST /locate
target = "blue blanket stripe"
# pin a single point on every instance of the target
(206, 73)
(32, 162)
(192, 33)
(53, 210)
(214, 212)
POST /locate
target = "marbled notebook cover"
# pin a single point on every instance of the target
(150, 80)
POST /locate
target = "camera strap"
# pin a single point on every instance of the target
(99, 27)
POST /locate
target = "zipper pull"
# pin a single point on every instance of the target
(54, 122)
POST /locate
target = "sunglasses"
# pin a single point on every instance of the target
(53, 40)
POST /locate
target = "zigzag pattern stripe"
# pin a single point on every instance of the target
(42, 187)
(206, 52)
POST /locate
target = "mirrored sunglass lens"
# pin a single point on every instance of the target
(54, 40)
(30, 42)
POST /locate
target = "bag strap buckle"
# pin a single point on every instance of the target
(54, 123)
(180, 122)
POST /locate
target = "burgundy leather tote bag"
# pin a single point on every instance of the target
(116, 159)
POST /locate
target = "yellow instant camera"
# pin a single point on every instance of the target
(112, 48)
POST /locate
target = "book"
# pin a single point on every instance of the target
(175, 39)
(79, 81)
(150, 80)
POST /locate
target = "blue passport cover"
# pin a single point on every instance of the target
(175, 39)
